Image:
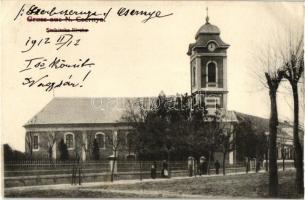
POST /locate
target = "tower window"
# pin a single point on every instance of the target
(194, 76)
(211, 72)
(193, 64)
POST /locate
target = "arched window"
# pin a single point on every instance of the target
(35, 142)
(69, 140)
(211, 72)
(193, 72)
(100, 138)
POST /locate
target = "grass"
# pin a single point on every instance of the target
(68, 194)
(245, 185)
(237, 186)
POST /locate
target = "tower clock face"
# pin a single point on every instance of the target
(212, 46)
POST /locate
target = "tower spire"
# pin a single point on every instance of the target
(207, 17)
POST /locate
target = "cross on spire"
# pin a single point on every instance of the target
(207, 18)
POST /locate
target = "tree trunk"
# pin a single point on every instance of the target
(168, 164)
(113, 165)
(112, 171)
(296, 142)
(50, 150)
(283, 156)
(267, 158)
(141, 171)
(283, 164)
(273, 122)
(79, 172)
(31, 152)
(210, 153)
(224, 163)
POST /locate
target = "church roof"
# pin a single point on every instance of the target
(86, 110)
(207, 28)
(81, 110)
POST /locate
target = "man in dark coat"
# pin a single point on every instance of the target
(204, 166)
(217, 166)
(154, 170)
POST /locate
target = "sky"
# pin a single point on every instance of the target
(139, 59)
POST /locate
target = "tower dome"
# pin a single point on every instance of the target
(207, 28)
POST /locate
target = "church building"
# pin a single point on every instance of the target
(78, 121)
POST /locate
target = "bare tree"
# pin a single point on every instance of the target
(273, 80)
(134, 114)
(116, 144)
(29, 140)
(294, 68)
(51, 143)
(226, 136)
(270, 75)
(87, 145)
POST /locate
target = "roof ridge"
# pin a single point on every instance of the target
(251, 115)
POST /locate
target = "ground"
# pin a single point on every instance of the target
(236, 186)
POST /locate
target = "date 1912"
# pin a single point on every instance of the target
(64, 40)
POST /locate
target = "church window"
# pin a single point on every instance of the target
(35, 142)
(100, 137)
(69, 140)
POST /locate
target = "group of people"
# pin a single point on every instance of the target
(202, 168)
(194, 168)
(164, 171)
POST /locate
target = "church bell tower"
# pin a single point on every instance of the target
(208, 67)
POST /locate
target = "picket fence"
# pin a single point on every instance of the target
(104, 166)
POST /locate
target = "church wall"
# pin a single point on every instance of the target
(83, 143)
(42, 150)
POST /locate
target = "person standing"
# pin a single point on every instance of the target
(153, 170)
(190, 165)
(204, 166)
(217, 166)
(258, 165)
(247, 165)
(164, 172)
(201, 161)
